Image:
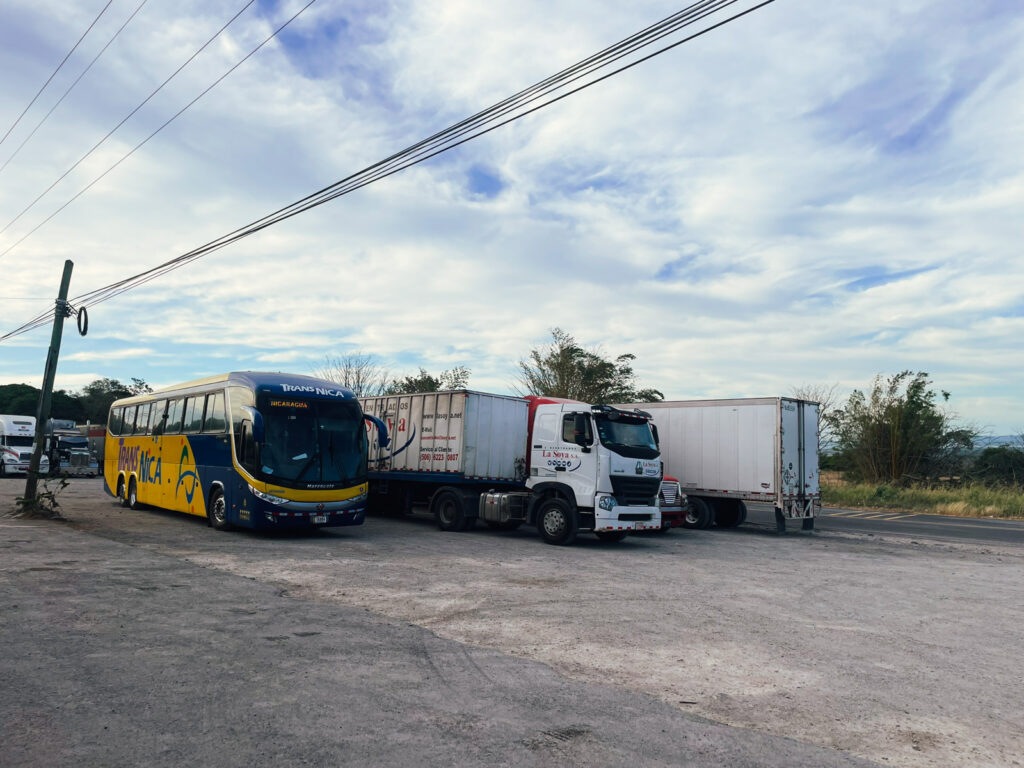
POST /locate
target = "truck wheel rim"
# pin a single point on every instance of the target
(554, 522)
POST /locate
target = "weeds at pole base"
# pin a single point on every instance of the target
(45, 506)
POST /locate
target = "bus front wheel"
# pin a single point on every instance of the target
(217, 512)
(131, 499)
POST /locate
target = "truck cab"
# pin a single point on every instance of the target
(602, 461)
(17, 436)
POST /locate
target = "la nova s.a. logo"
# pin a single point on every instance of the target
(639, 467)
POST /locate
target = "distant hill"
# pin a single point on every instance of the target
(992, 442)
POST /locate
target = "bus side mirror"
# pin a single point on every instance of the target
(257, 423)
(382, 431)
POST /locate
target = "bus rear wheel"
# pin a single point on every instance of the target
(131, 499)
(217, 512)
(121, 496)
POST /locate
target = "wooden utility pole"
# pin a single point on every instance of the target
(61, 311)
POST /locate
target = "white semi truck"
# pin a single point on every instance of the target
(17, 434)
(726, 453)
(559, 465)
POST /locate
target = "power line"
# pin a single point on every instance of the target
(71, 87)
(123, 121)
(14, 125)
(170, 120)
(483, 122)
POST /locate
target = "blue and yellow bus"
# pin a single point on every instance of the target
(258, 450)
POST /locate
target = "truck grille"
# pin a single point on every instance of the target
(670, 493)
(636, 491)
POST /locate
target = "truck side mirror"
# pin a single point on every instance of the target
(654, 429)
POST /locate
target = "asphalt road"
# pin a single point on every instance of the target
(903, 524)
(116, 655)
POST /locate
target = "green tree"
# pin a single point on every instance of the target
(454, 378)
(97, 396)
(565, 369)
(899, 432)
(1000, 464)
(23, 400)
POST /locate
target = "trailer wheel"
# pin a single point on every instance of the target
(730, 513)
(449, 511)
(610, 535)
(698, 513)
(557, 523)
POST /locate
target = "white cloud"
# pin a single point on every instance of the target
(728, 212)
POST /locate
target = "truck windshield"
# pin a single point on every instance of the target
(312, 441)
(19, 441)
(627, 437)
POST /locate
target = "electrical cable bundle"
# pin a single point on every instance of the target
(573, 79)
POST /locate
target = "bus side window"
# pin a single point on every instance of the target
(159, 417)
(129, 420)
(142, 419)
(214, 421)
(116, 420)
(173, 417)
(193, 414)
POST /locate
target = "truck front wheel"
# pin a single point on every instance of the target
(557, 523)
(449, 511)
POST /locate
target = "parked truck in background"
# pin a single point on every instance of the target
(68, 449)
(559, 465)
(672, 503)
(730, 452)
(17, 435)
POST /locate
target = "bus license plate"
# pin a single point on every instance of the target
(319, 518)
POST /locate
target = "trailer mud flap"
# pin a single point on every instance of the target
(795, 509)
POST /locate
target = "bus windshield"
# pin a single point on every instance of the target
(312, 441)
(627, 437)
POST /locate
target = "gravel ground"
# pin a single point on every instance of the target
(903, 652)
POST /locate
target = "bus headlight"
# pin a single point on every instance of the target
(267, 497)
(607, 503)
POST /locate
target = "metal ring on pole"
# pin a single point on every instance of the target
(83, 321)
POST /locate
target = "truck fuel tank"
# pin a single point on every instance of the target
(503, 507)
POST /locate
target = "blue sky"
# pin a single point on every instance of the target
(816, 193)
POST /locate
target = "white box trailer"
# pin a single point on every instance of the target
(472, 435)
(729, 452)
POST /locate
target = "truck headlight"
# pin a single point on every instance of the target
(607, 503)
